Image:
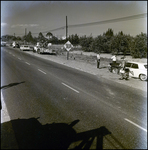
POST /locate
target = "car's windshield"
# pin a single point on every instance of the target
(128, 64)
(145, 66)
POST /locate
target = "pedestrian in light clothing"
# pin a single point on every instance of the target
(98, 60)
(114, 58)
(122, 64)
(113, 64)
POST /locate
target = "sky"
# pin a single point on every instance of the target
(45, 16)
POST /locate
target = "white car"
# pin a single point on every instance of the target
(3, 43)
(137, 70)
(24, 47)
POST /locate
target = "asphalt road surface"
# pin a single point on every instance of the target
(48, 105)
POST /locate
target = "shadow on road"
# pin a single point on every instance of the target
(48, 54)
(11, 84)
(31, 134)
(103, 67)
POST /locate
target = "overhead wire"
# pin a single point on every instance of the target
(111, 21)
(100, 22)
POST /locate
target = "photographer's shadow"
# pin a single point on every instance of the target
(31, 134)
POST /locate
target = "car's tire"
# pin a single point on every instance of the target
(143, 77)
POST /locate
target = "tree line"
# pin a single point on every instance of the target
(109, 42)
(116, 44)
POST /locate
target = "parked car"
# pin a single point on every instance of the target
(137, 69)
(3, 43)
(24, 47)
(31, 47)
(42, 50)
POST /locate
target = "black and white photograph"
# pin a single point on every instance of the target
(73, 74)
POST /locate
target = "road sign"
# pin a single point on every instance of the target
(68, 46)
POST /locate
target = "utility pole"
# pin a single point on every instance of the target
(14, 36)
(66, 28)
(66, 37)
(25, 31)
(25, 36)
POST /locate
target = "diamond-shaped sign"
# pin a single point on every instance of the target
(68, 46)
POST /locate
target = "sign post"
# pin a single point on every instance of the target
(68, 47)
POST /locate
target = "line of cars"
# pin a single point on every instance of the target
(39, 48)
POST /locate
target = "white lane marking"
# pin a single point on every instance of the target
(4, 113)
(70, 87)
(135, 124)
(19, 58)
(42, 71)
(27, 63)
(14, 55)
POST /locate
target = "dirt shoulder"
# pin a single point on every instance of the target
(86, 62)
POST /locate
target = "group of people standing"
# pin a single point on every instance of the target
(121, 67)
(113, 58)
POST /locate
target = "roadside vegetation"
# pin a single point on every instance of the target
(119, 44)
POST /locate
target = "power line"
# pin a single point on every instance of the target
(111, 21)
(104, 22)
(100, 22)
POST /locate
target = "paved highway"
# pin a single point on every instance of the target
(72, 107)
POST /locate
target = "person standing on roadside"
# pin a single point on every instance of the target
(124, 72)
(98, 60)
(113, 64)
(122, 64)
(114, 58)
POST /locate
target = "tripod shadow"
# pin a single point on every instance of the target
(88, 137)
(31, 134)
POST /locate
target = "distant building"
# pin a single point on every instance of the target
(63, 37)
